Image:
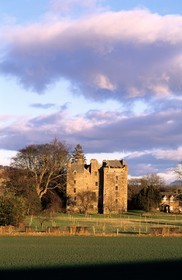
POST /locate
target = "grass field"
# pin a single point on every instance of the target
(132, 222)
(115, 244)
(59, 251)
(54, 257)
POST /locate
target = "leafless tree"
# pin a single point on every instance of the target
(152, 180)
(85, 201)
(46, 164)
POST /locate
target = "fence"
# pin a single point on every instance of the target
(101, 225)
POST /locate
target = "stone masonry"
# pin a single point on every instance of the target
(97, 188)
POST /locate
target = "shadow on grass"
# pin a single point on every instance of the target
(152, 270)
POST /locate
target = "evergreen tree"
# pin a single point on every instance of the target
(78, 153)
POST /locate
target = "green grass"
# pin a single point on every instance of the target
(58, 251)
(132, 222)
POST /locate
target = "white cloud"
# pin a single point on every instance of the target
(6, 156)
(169, 154)
(130, 53)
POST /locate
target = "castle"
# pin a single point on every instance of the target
(97, 188)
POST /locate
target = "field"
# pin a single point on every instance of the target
(130, 223)
(28, 255)
(119, 244)
(49, 251)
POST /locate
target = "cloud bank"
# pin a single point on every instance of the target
(127, 56)
(121, 55)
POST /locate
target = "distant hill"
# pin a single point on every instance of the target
(176, 183)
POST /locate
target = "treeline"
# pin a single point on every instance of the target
(36, 182)
(146, 193)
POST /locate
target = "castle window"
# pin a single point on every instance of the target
(96, 183)
(75, 198)
(95, 173)
(74, 173)
(116, 200)
(116, 188)
(74, 181)
(74, 190)
(116, 177)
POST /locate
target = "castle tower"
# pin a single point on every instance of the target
(114, 186)
(96, 188)
(82, 186)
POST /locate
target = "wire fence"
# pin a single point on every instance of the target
(99, 225)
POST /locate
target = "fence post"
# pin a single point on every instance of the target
(94, 230)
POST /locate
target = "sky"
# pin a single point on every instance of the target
(103, 74)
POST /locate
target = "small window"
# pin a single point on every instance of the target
(116, 187)
(74, 181)
(75, 198)
(96, 183)
(95, 173)
(74, 190)
(116, 178)
(116, 200)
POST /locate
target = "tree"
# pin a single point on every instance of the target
(149, 198)
(46, 164)
(144, 193)
(78, 153)
(153, 180)
(20, 182)
(85, 201)
(139, 191)
(12, 210)
(134, 187)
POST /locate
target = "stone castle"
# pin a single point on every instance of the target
(97, 188)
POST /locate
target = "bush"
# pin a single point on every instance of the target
(12, 210)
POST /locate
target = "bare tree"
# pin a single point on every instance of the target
(46, 164)
(152, 180)
(111, 204)
(85, 201)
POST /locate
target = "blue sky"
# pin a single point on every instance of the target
(104, 74)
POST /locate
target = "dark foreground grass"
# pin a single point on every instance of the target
(85, 257)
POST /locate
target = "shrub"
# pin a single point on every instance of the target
(12, 210)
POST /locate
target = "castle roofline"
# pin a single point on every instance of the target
(113, 163)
